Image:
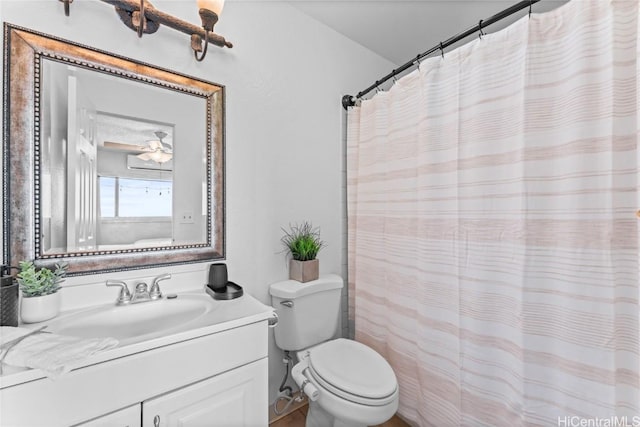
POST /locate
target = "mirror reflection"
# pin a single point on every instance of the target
(123, 163)
(110, 164)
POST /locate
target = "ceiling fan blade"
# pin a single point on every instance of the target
(125, 147)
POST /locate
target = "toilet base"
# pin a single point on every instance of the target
(318, 417)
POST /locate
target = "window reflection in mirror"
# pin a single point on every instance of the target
(133, 197)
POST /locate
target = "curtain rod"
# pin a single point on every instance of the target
(350, 101)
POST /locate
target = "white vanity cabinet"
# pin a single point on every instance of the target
(231, 399)
(234, 398)
(127, 417)
(217, 378)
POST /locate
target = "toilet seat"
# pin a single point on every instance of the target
(354, 372)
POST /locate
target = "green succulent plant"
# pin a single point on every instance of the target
(302, 241)
(35, 282)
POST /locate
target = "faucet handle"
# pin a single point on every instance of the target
(155, 292)
(125, 296)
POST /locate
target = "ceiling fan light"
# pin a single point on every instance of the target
(157, 150)
(160, 157)
(156, 156)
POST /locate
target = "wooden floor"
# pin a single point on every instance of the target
(298, 417)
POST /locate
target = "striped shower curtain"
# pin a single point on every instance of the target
(493, 230)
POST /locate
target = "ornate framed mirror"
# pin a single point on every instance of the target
(109, 163)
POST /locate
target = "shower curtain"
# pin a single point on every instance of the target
(493, 229)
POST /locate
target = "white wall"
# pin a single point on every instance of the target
(284, 79)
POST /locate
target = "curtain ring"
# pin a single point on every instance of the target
(442, 50)
(395, 80)
(480, 27)
(377, 87)
(417, 61)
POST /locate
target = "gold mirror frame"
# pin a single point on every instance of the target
(24, 51)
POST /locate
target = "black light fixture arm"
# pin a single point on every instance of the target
(209, 19)
(350, 101)
(154, 18)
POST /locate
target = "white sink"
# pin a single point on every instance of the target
(136, 322)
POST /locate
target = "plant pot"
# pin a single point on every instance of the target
(304, 271)
(39, 309)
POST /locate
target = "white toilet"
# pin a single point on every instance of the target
(348, 383)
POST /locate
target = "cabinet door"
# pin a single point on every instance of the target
(127, 417)
(238, 398)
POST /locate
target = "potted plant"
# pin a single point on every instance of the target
(303, 243)
(39, 287)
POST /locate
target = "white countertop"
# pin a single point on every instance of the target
(227, 315)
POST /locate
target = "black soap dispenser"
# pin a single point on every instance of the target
(219, 286)
(8, 297)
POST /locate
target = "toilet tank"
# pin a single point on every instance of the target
(308, 312)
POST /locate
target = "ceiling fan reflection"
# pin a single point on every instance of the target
(158, 150)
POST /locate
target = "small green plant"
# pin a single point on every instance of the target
(302, 241)
(39, 282)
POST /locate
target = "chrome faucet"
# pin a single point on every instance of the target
(124, 297)
(154, 292)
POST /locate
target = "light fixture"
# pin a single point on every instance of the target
(209, 11)
(142, 17)
(156, 156)
(157, 151)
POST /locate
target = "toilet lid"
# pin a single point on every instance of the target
(350, 367)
